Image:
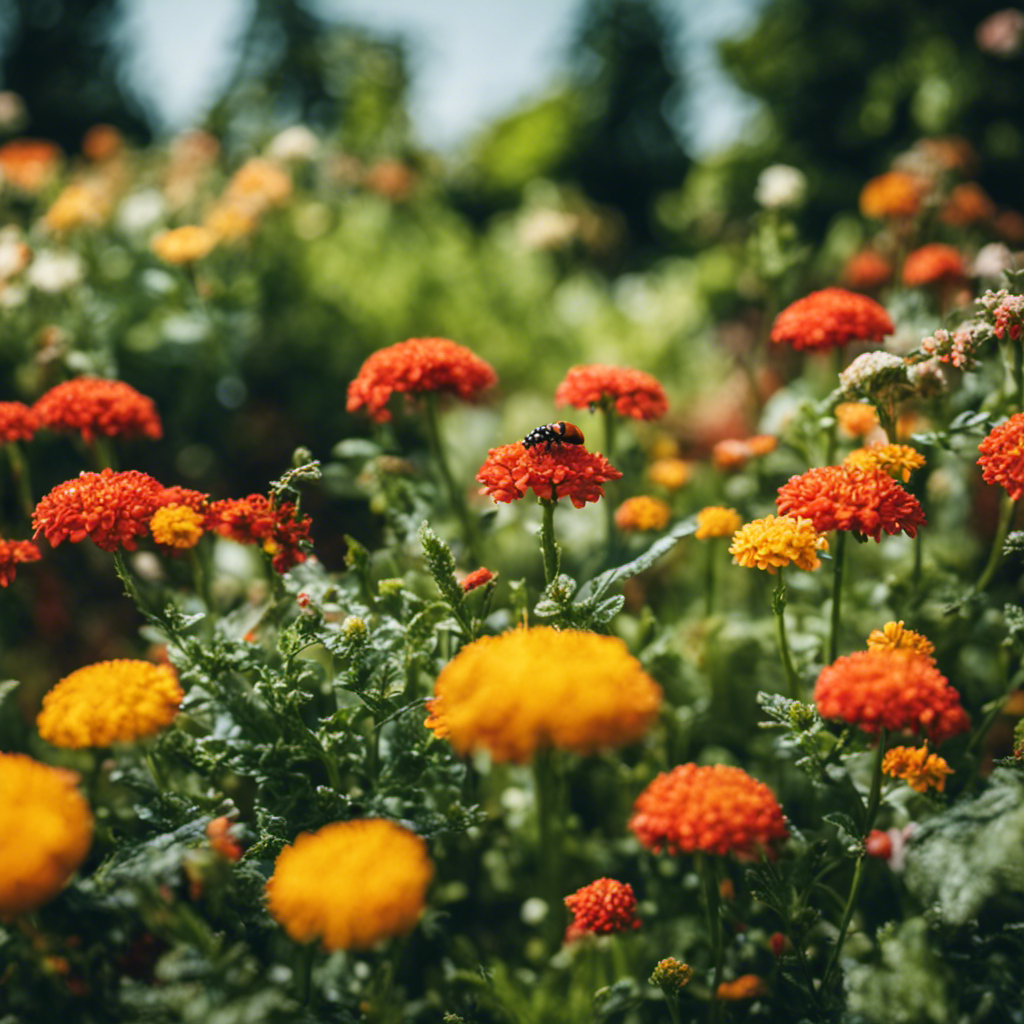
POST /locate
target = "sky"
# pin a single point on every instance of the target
(472, 60)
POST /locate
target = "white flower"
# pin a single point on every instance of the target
(871, 371)
(992, 260)
(1001, 33)
(140, 211)
(547, 229)
(295, 143)
(12, 295)
(12, 111)
(780, 185)
(55, 271)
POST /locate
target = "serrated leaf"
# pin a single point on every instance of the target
(849, 833)
(356, 448)
(606, 610)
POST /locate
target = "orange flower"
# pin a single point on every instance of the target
(642, 513)
(894, 195)
(602, 908)
(551, 471)
(260, 184)
(218, 831)
(968, 203)
(898, 460)
(716, 521)
(856, 418)
(732, 454)
(920, 770)
(1002, 456)
(864, 501)
(17, 422)
(935, 263)
(710, 808)
(830, 318)
(477, 578)
(746, 986)
(894, 637)
(670, 473)
(29, 163)
(186, 244)
(867, 271)
(893, 690)
(254, 520)
(415, 366)
(774, 542)
(102, 142)
(12, 554)
(633, 392)
(91, 406)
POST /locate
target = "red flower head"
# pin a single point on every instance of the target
(633, 392)
(710, 808)
(477, 578)
(864, 501)
(935, 263)
(414, 366)
(17, 422)
(602, 908)
(830, 318)
(113, 509)
(550, 470)
(92, 405)
(13, 552)
(867, 271)
(254, 520)
(1002, 456)
(894, 689)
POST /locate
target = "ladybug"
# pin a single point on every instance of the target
(554, 433)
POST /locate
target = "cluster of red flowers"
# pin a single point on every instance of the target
(891, 689)
(829, 318)
(13, 553)
(864, 501)
(550, 471)
(255, 520)
(1002, 456)
(17, 422)
(935, 263)
(633, 392)
(416, 366)
(602, 908)
(92, 405)
(711, 808)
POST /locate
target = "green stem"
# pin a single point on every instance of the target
(779, 608)
(131, 589)
(21, 477)
(838, 557)
(200, 576)
(887, 420)
(706, 870)
(548, 545)
(302, 971)
(710, 579)
(995, 556)
(549, 796)
(103, 453)
(611, 535)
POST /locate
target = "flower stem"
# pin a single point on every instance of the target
(611, 537)
(710, 579)
(302, 971)
(103, 453)
(549, 795)
(548, 546)
(779, 608)
(706, 870)
(838, 558)
(21, 478)
(995, 556)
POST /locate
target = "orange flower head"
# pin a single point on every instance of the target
(551, 471)
(18, 422)
(93, 406)
(898, 460)
(734, 453)
(416, 366)
(746, 986)
(186, 244)
(1002, 456)
(642, 513)
(177, 526)
(856, 418)
(774, 542)
(895, 690)
(864, 501)
(715, 809)
(831, 318)
(604, 907)
(29, 164)
(670, 473)
(717, 521)
(920, 770)
(477, 578)
(894, 195)
(12, 554)
(230, 221)
(935, 263)
(867, 271)
(968, 203)
(893, 636)
(261, 184)
(255, 520)
(218, 832)
(631, 392)
(80, 204)
(102, 142)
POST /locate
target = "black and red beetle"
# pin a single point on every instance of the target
(554, 433)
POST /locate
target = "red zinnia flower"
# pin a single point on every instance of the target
(551, 471)
(935, 263)
(891, 689)
(865, 501)
(711, 808)
(867, 271)
(17, 422)
(830, 318)
(1002, 456)
(633, 392)
(602, 908)
(477, 578)
(12, 553)
(254, 520)
(414, 366)
(92, 405)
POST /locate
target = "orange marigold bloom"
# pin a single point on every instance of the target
(45, 832)
(867, 271)
(864, 501)
(642, 513)
(415, 366)
(670, 473)
(186, 244)
(177, 526)
(708, 808)
(550, 471)
(894, 690)
(93, 405)
(1002, 456)
(477, 578)
(260, 183)
(717, 521)
(935, 263)
(894, 637)
(830, 318)
(746, 986)
(774, 542)
(894, 195)
(632, 392)
(102, 142)
(29, 163)
(968, 203)
(898, 460)
(856, 418)
(12, 554)
(920, 770)
(255, 520)
(218, 831)
(80, 204)
(230, 221)
(17, 422)
(603, 908)
(113, 509)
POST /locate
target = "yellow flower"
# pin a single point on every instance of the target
(45, 832)
(716, 521)
(177, 526)
(856, 418)
(350, 884)
(184, 245)
(259, 183)
(230, 221)
(669, 473)
(77, 205)
(919, 769)
(894, 637)
(110, 702)
(777, 541)
(529, 688)
(642, 513)
(898, 460)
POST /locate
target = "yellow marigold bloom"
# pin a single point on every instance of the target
(894, 637)
(77, 205)
(261, 183)
(531, 688)
(898, 460)
(777, 541)
(110, 702)
(856, 418)
(717, 521)
(177, 526)
(45, 832)
(642, 513)
(670, 473)
(230, 221)
(920, 770)
(185, 244)
(350, 884)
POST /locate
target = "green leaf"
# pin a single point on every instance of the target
(849, 833)
(441, 566)
(356, 448)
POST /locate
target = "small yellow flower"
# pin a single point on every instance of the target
(260, 183)
(177, 526)
(77, 205)
(671, 473)
(777, 541)
(671, 975)
(350, 884)
(230, 221)
(894, 637)
(920, 770)
(110, 702)
(898, 460)
(716, 521)
(185, 244)
(856, 418)
(636, 515)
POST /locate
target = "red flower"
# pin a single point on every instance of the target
(865, 501)
(867, 271)
(551, 471)
(477, 578)
(933, 264)
(830, 318)
(92, 405)
(878, 844)
(602, 908)
(12, 553)
(633, 392)
(891, 689)
(17, 422)
(711, 808)
(113, 509)
(195, 500)
(414, 366)
(1002, 456)
(254, 520)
